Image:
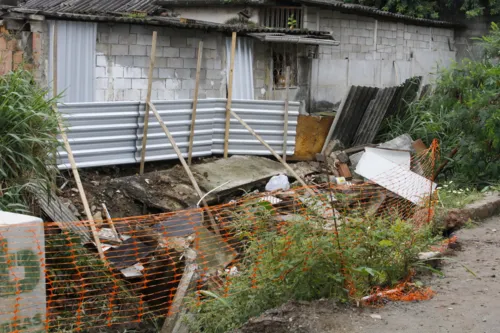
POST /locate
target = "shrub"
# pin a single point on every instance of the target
(462, 112)
(28, 130)
(301, 260)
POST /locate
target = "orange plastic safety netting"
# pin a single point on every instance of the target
(156, 265)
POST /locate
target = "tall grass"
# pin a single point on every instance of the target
(28, 130)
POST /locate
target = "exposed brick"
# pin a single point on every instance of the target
(158, 84)
(100, 95)
(161, 62)
(101, 83)
(17, 58)
(3, 44)
(188, 84)
(407, 35)
(203, 74)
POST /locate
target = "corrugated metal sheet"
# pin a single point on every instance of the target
(111, 133)
(75, 60)
(92, 6)
(405, 95)
(243, 68)
(348, 118)
(374, 115)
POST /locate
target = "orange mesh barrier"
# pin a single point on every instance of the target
(159, 261)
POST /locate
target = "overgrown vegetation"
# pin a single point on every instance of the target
(433, 8)
(28, 142)
(303, 261)
(463, 113)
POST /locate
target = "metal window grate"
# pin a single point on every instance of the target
(281, 17)
(284, 55)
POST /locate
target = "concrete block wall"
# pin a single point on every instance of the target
(374, 53)
(123, 56)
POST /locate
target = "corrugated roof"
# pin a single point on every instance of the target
(92, 6)
(375, 12)
(167, 22)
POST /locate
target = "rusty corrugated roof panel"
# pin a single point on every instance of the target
(92, 6)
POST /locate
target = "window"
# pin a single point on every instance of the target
(284, 55)
(282, 17)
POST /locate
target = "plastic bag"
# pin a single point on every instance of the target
(278, 183)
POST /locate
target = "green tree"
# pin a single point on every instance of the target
(433, 8)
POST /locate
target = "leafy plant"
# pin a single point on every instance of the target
(304, 260)
(433, 8)
(462, 112)
(292, 22)
(28, 140)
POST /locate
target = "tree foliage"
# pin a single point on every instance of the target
(433, 8)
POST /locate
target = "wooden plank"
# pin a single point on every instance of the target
(258, 137)
(186, 167)
(229, 96)
(53, 206)
(195, 102)
(148, 99)
(174, 319)
(285, 126)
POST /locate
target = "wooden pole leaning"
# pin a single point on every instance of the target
(229, 96)
(195, 102)
(185, 165)
(148, 99)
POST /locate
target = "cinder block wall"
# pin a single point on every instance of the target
(123, 56)
(373, 53)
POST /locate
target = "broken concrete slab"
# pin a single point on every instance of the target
(171, 190)
(402, 142)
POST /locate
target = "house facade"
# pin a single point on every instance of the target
(103, 52)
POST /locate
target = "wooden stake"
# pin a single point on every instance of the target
(285, 126)
(195, 102)
(110, 221)
(186, 167)
(148, 99)
(229, 96)
(79, 185)
(71, 158)
(275, 154)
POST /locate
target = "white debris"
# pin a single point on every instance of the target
(278, 183)
(376, 316)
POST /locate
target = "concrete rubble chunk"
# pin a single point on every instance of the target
(171, 190)
(402, 142)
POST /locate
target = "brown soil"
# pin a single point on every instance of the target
(464, 303)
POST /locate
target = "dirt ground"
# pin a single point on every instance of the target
(464, 303)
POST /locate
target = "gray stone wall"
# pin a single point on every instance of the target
(373, 53)
(123, 56)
